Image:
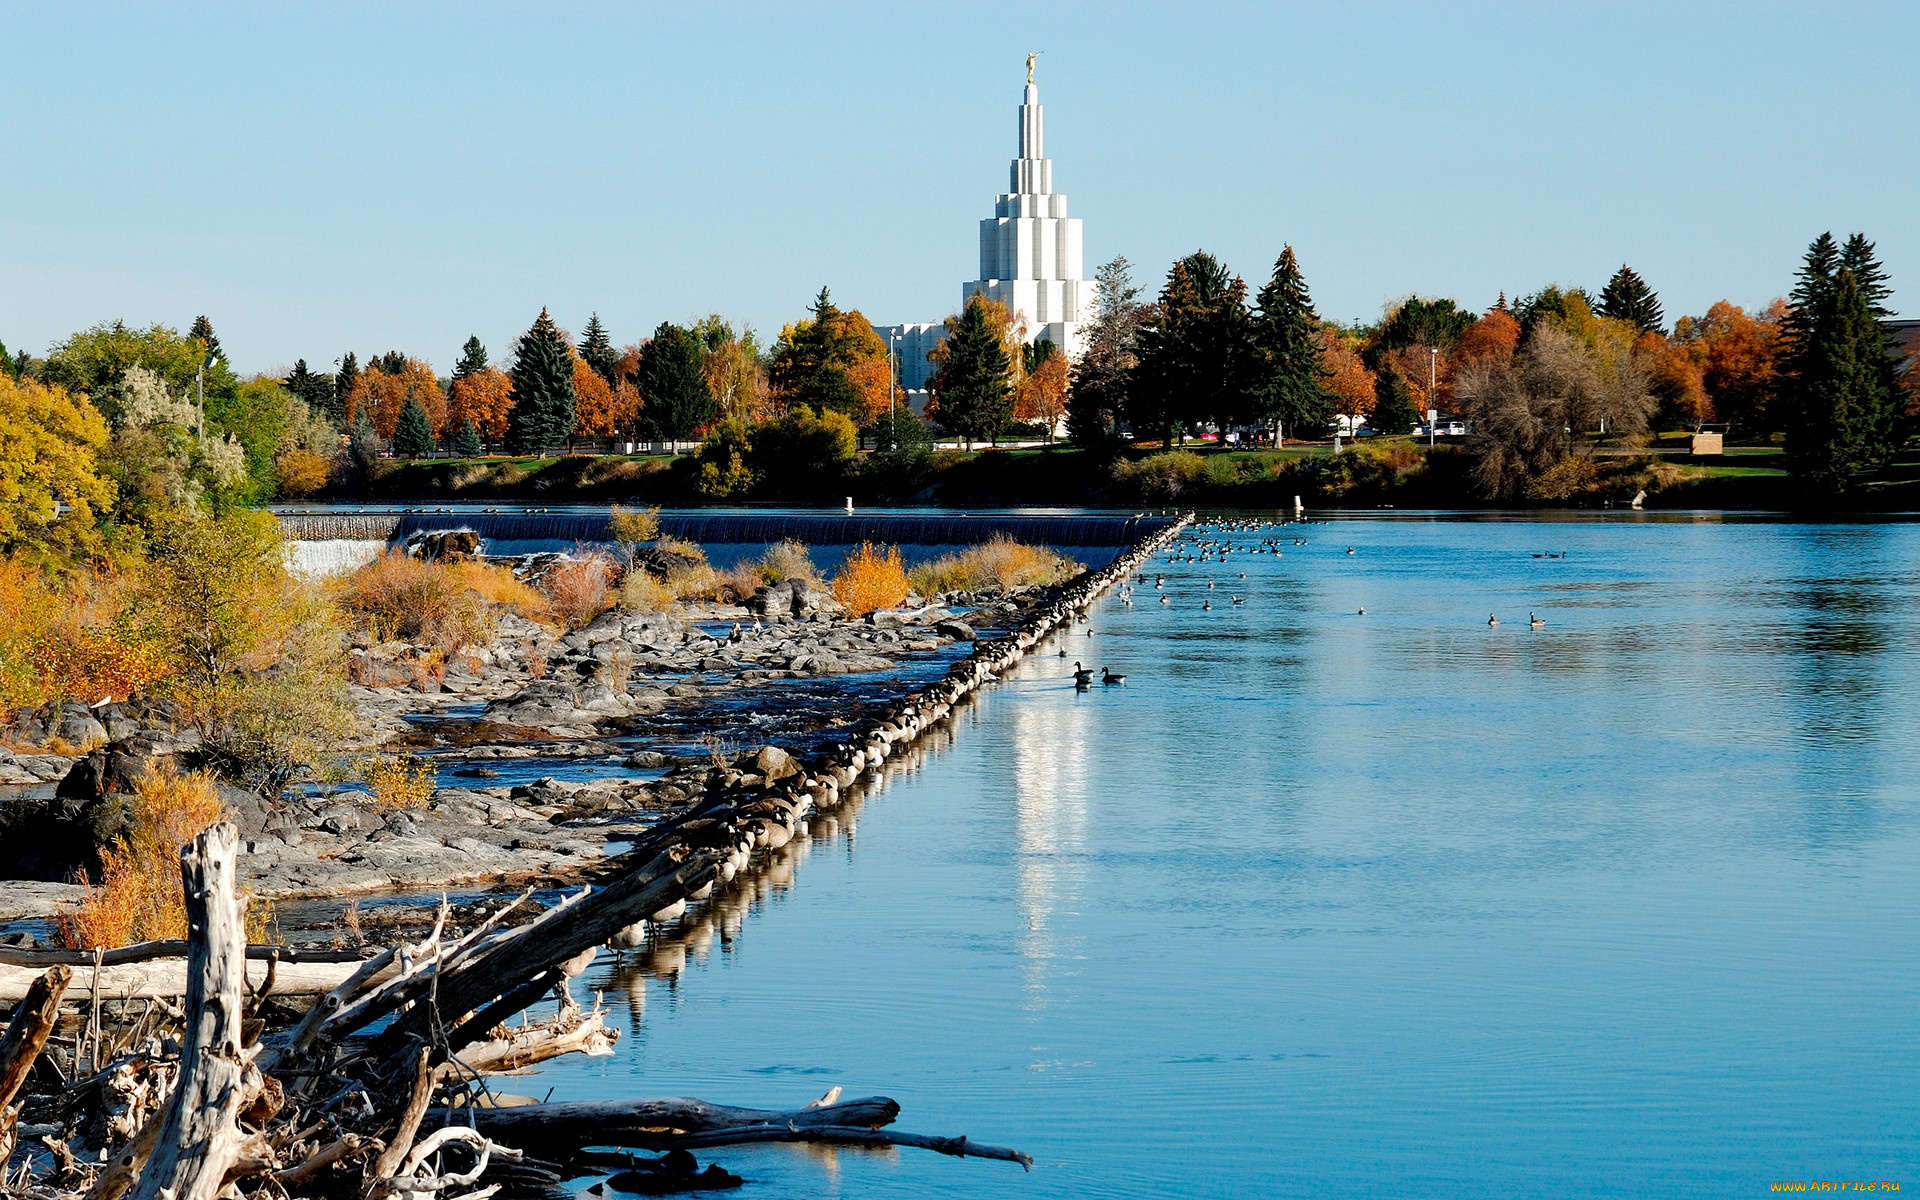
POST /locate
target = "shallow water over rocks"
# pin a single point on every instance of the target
(1394, 904)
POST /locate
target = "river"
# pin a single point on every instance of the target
(1400, 904)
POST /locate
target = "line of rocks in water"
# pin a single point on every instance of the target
(761, 806)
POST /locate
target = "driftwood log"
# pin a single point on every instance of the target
(33, 1022)
(199, 1141)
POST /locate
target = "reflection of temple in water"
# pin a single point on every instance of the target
(1050, 780)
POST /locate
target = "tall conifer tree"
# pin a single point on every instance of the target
(473, 359)
(466, 441)
(1393, 407)
(1628, 298)
(675, 397)
(1291, 372)
(1196, 358)
(343, 381)
(543, 396)
(202, 330)
(413, 436)
(1842, 406)
(973, 388)
(597, 349)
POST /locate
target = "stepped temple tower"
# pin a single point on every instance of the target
(1029, 260)
(1030, 248)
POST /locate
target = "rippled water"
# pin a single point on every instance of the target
(1399, 904)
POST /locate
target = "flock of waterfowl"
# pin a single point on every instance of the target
(1214, 544)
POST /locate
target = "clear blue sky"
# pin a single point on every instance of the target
(325, 177)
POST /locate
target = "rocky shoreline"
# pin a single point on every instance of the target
(557, 754)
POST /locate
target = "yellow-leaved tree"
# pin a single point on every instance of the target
(51, 487)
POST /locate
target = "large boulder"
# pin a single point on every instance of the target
(51, 839)
(791, 598)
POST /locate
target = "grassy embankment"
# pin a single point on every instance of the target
(1399, 471)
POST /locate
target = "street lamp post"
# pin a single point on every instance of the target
(1433, 407)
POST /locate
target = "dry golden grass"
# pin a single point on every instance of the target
(403, 781)
(871, 578)
(499, 586)
(642, 593)
(788, 560)
(138, 897)
(580, 589)
(400, 598)
(1002, 563)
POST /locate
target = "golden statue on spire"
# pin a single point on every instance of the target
(1030, 57)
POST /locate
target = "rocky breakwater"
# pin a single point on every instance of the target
(761, 804)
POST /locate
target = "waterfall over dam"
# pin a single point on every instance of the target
(815, 529)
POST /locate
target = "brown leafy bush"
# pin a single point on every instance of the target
(401, 598)
(580, 589)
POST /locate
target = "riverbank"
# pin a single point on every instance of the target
(1397, 472)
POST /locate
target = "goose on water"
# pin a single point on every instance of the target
(1534, 622)
(1108, 677)
(1082, 674)
(1492, 620)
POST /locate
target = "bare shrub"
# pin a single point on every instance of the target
(788, 560)
(580, 589)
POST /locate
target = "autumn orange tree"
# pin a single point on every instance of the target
(1348, 377)
(484, 397)
(384, 388)
(601, 409)
(1735, 352)
(1040, 395)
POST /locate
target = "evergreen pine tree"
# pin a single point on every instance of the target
(1290, 371)
(316, 391)
(543, 396)
(676, 398)
(1810, 287)
(597, 349)
(466, 442)
(203, 331)
(1858, 256)
(1628, 298)
(1197, 358)
(973, 387)
(473, 358)
(1842, 407)
(6, 362)
(1393, 407)
(413, 436)
(343, 381)
(392, 362)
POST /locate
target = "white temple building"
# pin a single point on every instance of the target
(1030, 259)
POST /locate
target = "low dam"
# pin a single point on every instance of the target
(813, 528)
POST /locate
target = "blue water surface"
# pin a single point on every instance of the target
(1400, 904)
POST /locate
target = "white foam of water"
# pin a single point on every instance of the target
(332, 556)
